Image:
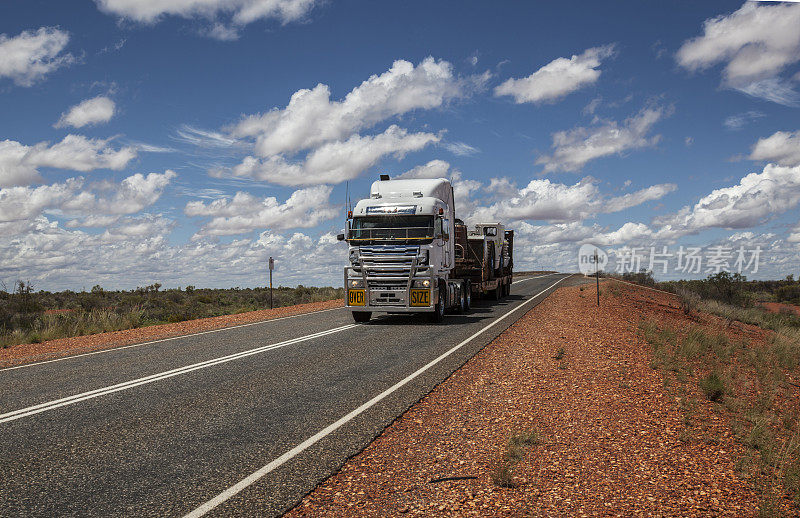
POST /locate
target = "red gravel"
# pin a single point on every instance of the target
(27, 353)
(611, 435)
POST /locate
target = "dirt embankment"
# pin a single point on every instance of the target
(562, 415)
(26, 353)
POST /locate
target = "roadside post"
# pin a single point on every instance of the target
(597, 275)
(271, 267)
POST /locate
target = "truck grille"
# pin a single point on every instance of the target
(392, 263)
(388, 269)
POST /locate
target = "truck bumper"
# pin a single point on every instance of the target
(396, 299)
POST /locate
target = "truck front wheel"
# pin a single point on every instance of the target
(362, 316)
(467, 296)
(438, 310)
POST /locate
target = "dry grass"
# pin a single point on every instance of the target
(750, 381)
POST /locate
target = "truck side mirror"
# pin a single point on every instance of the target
(340, 237)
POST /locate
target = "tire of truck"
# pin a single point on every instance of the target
(362, 316)
(498, 292)
(438, 310)
(467, 296)
(461, 308)
(508, 289)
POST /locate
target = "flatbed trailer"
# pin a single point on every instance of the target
(473, 265)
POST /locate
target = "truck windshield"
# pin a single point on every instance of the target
(394, 228)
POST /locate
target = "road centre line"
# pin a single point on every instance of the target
(260, 473)
(70, 400)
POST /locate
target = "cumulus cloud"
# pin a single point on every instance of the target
(92, 111)
(130, 196)
(236, 13)
(756, 43)
(433, 169)
(561, 203)
(782, 147)
(754, 200)
(333, 162)
(100, 204)
(30, 56)
(311, 118)
(558, 78)
(305, 208)
(19, 163)
(572, 149)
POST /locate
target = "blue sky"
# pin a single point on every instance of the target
(186, 142)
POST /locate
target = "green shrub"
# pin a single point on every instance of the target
(713, 386)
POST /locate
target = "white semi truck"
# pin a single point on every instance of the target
(409, 254)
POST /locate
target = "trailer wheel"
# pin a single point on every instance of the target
(467, 296)
(438, 311)
(498, 292)
(462, 300)
(508, 289)
(362, 316)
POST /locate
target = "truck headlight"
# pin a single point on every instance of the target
(354, 255)
(425, 283)
(355, 283)
(422, 257)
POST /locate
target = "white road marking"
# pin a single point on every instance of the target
(255, 476)
(112, 349)
(70, 400)
(537, 277)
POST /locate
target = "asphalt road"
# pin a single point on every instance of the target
(241, 421)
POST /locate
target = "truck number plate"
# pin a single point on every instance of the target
(355, 298)
(420, 297)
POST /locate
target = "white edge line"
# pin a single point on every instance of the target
(70, 400)
(112, 349)
(255, 476)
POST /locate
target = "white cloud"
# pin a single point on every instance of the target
(305, 208)
(561, 203)
(740, 120)
(30, 56)
(558, 78)
(130, 196)
(24, 203)
(311, 118)
(92, 111)
(333, 162)
(236, 13)
(205, 138)
(433, 169)
(100, 204)
(19, 163)
(136, 252)
(463, 189)
(572, 149)
(754, 200)
(782, 147)
(756, 43)
(460, 148)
